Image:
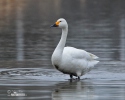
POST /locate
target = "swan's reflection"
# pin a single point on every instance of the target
(77, 90)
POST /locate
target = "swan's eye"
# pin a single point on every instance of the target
(60, 21)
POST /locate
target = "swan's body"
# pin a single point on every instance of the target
(69, 60)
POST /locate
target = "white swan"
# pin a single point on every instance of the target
(69, 60)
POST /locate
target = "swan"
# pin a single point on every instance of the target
(70, 60)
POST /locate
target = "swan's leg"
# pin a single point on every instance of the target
(71, 76)
(78, 77)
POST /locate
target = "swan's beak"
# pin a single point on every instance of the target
(56, 24)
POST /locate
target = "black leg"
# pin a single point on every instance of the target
(71, 76)
(78, 77)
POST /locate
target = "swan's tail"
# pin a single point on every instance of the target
(93, 60)
(92, 63)
(93, 56)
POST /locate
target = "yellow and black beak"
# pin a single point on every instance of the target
(56, 24)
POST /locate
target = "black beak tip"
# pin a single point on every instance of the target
(54, 25)
(51, 26)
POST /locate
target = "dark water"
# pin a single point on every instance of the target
(27, 42)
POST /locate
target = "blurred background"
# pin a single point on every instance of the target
(96, 26)
(27, 41)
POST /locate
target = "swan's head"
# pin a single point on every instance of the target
(61, 23)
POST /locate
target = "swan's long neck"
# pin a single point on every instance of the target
(57, 55)
(62, 41)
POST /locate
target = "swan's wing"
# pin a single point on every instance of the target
(78, 53)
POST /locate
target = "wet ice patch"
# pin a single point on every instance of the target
(54, 75)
